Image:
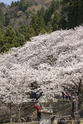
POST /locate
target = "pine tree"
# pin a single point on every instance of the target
(41, 12)
(34, 24)
(80, 13)
(1, 39)
(46, 17)
(53, 6)
(22, 5)
(41, 25)
(2, 19)
(30, 32)
(22, 29)
(2, 4)
(1, 27)
(9, 35)
(56, 22)
(12, 4)
(73, 14)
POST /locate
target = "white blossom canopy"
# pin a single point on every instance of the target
(49, 60)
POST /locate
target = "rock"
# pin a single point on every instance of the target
(23, 119)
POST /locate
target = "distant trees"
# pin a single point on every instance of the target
(34, 23)
(2, 5)
(1, 27)
(53, 6)
(2, 19)
(41, 12)
(50, 11)
(43, 21)
(7, 18)
(13, 4)
(75, 16)
(8, 39)
(22, 29)
(30, 32)
(11, 39)
(80, 15)
(22, 5)
(56, 22)
(38, 24)
(1, 40)
(9, 35)
(41, 25)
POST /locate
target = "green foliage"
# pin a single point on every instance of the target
(22, 5)
(65, 1)
(46, 17)
(41, 12)
(1, 39)
(30, 3)
(2, 19)
(10, 35)
(8, 16)
(80, 14)
(30, 32)
(34, 24)
(49, 27)
(20, 40)
(12, 4)
(27, 14)
(56, 22)
(53, 6)
(50, 11)
(1, 27)
(73, 14)
(11, 39)
(2, 5)
(57, 4)
(60, 14)
(38, 24)
(22, 29)
(64, 21)
(41, 24)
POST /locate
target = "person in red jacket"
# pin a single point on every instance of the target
(66, 95)
(38, 113)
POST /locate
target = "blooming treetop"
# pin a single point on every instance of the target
(49, 59)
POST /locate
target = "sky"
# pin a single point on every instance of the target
(7, 1)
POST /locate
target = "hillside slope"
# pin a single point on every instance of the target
(43, 64)
(15, 17)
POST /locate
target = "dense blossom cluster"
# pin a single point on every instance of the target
(49, 60)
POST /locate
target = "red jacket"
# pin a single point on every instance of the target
(66, 94)
(37, 107)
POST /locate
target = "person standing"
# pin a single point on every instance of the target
(63, 94)
(66, 95)
(69, 96)
(74, 110)
(38, 113)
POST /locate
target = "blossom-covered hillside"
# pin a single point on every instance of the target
(43, 64)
